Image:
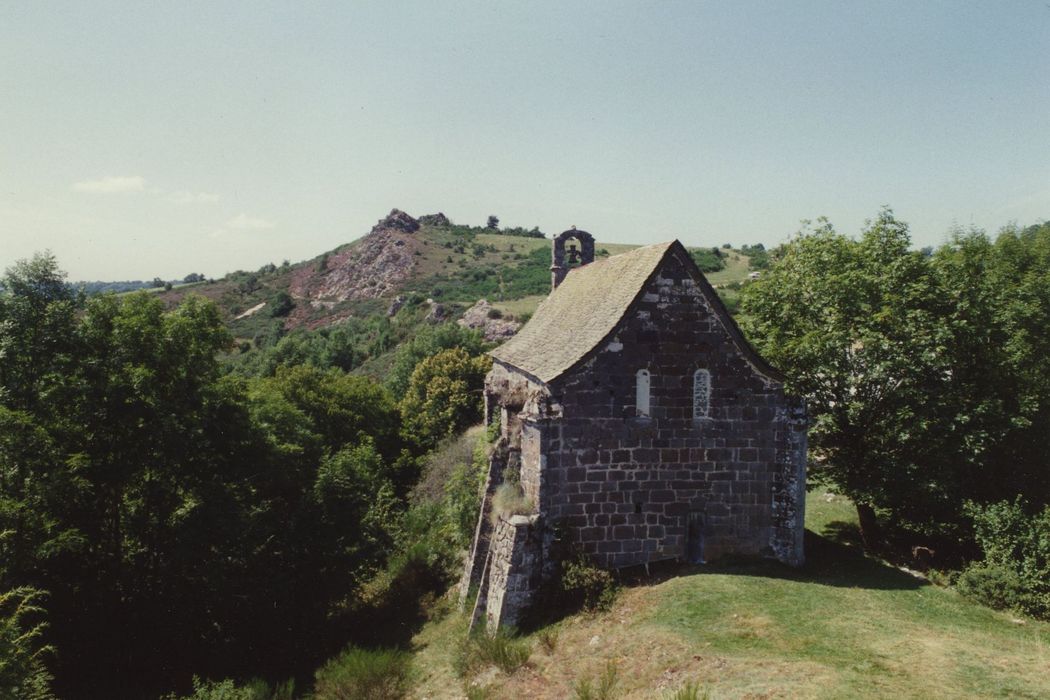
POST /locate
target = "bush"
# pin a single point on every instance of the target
(588, 586)
(362, 674)
(995, 586)
(501, 650)
(1015, 572)
(228, 690)
(281, 304)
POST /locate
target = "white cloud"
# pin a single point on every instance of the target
(187, 197)
(243, 222)
(111, 185)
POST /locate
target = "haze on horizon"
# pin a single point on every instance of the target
(143, 141)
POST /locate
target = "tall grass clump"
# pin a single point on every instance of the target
(689, 691)
(604, 688)
(502, 650)
(364, 674)
(508, 500)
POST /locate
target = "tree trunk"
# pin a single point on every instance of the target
(870, 532)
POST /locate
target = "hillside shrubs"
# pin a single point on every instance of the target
(586, 586)
(361, 674)
(229, 690)
(1015, 573)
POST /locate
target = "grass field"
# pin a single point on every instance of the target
(843, 626)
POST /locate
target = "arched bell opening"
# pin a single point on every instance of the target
(572, 248)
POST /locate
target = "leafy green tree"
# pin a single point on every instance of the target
(493, 222)
(37, 314)
(343, 409)
(857, 327)
(281, 304)
(427, 343)
(444, 396)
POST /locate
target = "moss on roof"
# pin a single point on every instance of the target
(580, 313)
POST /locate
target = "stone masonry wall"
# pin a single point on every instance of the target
(514, 570)
(633, 489)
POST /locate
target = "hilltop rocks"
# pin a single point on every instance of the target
(396, 220)
(486, 318)
(438, 219)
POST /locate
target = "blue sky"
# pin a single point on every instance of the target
(141, 141)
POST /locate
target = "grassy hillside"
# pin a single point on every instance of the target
(451, 264)
(385, 286)
(844, 626)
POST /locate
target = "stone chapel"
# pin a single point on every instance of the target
(641, 426)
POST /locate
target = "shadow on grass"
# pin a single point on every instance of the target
(828, 563)
(838, 560)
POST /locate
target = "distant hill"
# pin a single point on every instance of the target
(429, 257)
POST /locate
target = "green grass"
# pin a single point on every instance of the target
(734, 271)
(842, 626)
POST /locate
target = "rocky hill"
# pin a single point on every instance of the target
(495, 277)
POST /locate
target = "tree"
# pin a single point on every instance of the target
(858, 328)
(444, 396)
(427, 343)
(281, 304)
(37, 315)
(493, 222)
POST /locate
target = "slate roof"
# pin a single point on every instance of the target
(587, 306)
(580, 313)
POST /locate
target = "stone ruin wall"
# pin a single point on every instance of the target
(515, 571)
(627, 487)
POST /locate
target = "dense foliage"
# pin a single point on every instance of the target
(182, 519)
(708, 259)
(926, 376)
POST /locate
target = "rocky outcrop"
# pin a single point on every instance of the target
(397, 220)
(487, 319)
(438, 219)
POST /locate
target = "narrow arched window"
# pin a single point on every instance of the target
(701, 393)
(641, 393)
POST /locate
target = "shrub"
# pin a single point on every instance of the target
(495, 313)
(1016, 568)
(228, 690)
(548, 637)
(588, 586)
(363, 674)
(995, 586)
(603, 689)
(281, 304)
(502, 650)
